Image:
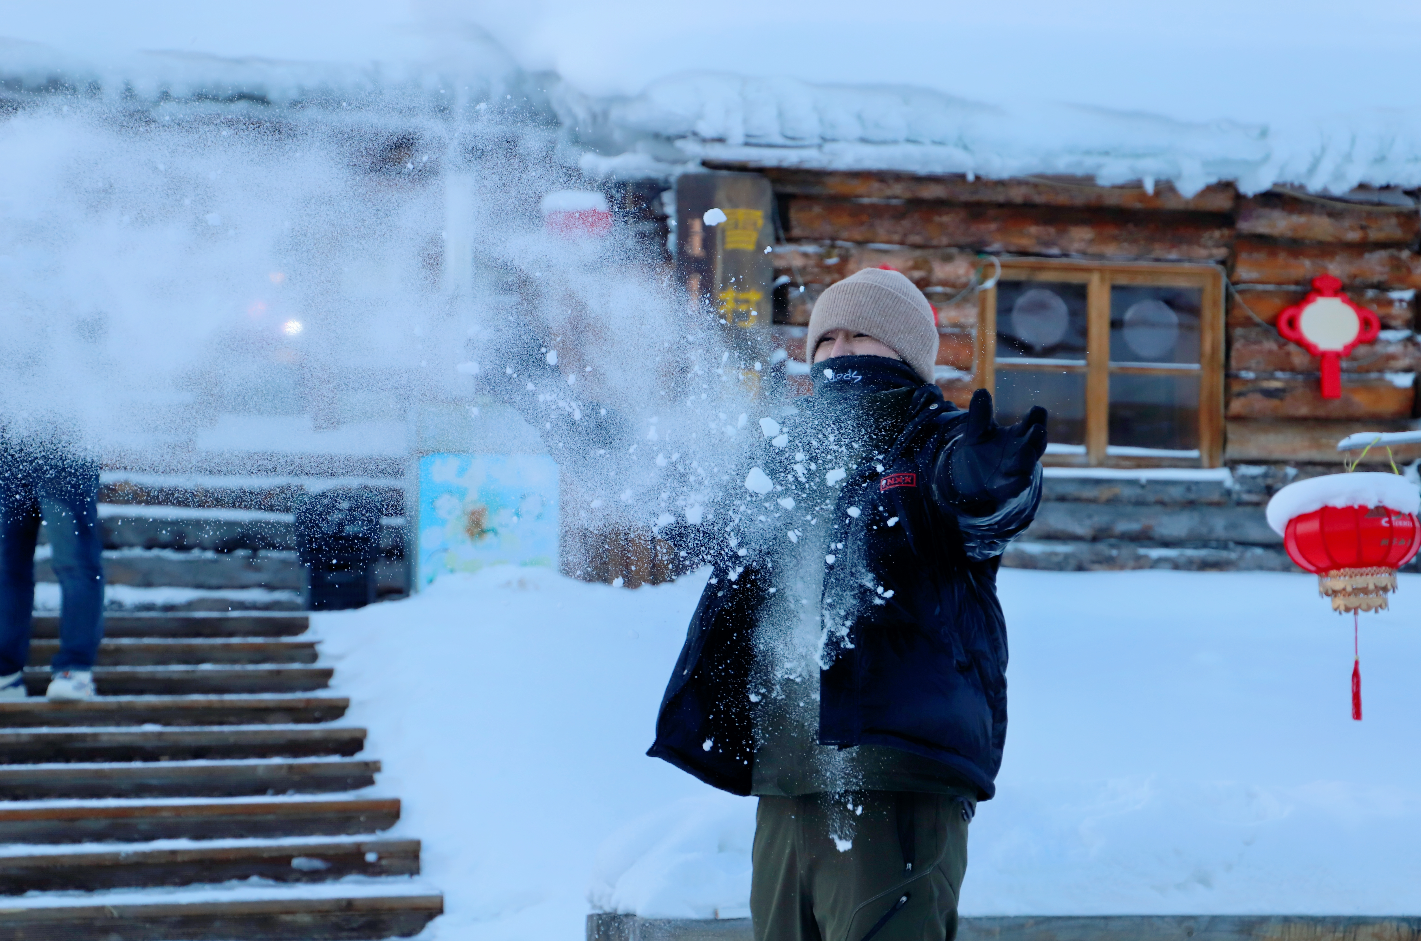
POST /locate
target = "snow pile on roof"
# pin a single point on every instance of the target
(468, 68)
(789, 123)
(776, 121)
(1361, 488)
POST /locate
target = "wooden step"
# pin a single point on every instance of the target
(173, 710)
(183, 779)
(217, 624)
(1116, 555)
(276, 571)
(127, 526)
(277, 919)
(236, 489)
(61, 745)
(185, 528)
(142, 821)
(196, 681)
(148, 652)
(137, 867)
(161, 568)
(129, 600)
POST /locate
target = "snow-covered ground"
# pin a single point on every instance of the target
(1180, 743)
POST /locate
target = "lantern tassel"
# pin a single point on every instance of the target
(1356, 673)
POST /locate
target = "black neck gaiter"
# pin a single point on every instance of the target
(862, 375)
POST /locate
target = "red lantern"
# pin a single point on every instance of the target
(1352, 531)
(1329, 326)
(1354, 550)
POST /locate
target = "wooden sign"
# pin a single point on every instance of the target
(724, 230)
(1329, 326)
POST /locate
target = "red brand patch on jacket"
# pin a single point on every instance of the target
(889, 481)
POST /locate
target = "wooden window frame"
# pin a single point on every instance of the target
(1098, 278)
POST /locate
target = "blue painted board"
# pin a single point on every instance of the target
(477, 510)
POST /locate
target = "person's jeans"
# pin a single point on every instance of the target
(63, 491)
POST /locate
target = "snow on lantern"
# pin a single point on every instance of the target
(576, 213)
(1352, 531)
(1329, 326)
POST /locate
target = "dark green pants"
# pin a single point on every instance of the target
(897, 881)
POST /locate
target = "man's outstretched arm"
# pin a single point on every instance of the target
(522, 377)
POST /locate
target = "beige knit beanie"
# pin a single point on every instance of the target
(885, 305)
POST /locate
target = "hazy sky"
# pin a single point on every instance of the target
(1198, 60)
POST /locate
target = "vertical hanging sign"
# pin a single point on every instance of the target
(724, 229)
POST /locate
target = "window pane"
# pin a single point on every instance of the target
(1059, 392)
(1160, 412)
(1154, 324)
(1041, 320)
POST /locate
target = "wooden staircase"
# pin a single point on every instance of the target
(214, 543)
(208, 793)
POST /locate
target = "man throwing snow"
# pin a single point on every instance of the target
(847, 660)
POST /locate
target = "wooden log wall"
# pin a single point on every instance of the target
(1274, 410)
(1271, 244)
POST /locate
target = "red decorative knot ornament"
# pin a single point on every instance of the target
(1352, 531)
(576, 214)
(1329, 326)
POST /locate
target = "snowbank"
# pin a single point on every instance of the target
(1359, 488)
(1180, 743)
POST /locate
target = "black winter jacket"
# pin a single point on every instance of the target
(917, 647)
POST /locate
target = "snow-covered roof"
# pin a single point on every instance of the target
(959, 92)
(790, 123)
(470, 69)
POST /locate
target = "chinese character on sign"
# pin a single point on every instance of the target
(742, 229)
(739, 307)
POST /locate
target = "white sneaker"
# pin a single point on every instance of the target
(13, 686)
(70, 686)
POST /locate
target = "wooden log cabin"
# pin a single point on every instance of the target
(1170, 425)
(1145, 321)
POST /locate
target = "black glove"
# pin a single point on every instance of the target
(988, 465)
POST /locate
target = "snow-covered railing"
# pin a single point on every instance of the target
(1364, 439)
